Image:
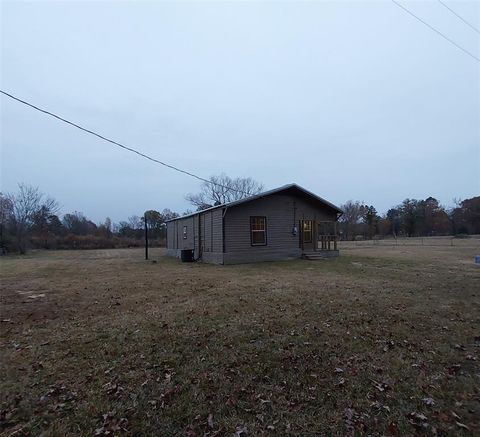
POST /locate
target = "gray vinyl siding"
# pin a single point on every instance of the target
(204, 236)
(217, 237)
(211, 236)
(196, 236)
(206, 226)
(283, 212)
(212, 231)
(170, 235)
(175, 240)
(222, 235)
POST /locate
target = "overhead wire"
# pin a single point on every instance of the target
(123, 146)
(459, 16)
(436, 31)
(193, 175)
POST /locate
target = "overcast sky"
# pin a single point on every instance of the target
(352, 100)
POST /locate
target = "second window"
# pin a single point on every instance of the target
(258, 231)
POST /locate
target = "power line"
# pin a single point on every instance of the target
(437, 31)
(459, 16)
(123, 146)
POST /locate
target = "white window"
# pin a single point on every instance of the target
(258, 231)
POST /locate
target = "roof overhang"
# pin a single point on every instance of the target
(285, 188)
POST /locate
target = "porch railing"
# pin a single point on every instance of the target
(327, 242)
(326, 235)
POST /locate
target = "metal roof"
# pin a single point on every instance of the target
(258, 196)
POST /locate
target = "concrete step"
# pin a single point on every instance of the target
(321, 254)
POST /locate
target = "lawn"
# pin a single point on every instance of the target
(380, 341)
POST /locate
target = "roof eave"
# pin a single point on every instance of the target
(260, 195)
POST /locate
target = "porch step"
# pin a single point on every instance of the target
(320, 254)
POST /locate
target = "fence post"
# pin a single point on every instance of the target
(146, 235)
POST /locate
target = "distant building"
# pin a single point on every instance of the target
(287, 222)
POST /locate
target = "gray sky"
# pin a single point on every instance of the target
(352, 100)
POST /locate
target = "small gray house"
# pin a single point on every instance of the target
(287, 222)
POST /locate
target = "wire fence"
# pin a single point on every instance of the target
(470, 241)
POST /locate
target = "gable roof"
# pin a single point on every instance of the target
(288, 187)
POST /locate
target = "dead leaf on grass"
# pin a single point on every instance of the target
(418, 420)
(393, 429)
(379, 407)
(390, 345)
(453, 369)
(455, 415)
(112, 424)
(349, 418)
(462, 425)
(429, 402)
(353, 420)
(113, 388)
(241, 431)
(380, 386)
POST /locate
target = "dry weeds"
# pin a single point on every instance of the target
(381, 341)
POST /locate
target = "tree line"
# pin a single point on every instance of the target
(411, 218)
(30, 219)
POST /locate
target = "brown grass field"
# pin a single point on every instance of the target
(381, 341)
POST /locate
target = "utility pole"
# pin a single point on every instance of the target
(146, 235)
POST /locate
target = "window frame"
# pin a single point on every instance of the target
(310, 231)
(185, 232)
(252, 218)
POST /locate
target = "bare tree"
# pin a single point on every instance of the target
(353, 211)
(223, 189)
(76, 223)
(135, 222)
(6, 209)
(27, 202)
(168, 214)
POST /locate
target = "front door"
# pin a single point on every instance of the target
(306, 235)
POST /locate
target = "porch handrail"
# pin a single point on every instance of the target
(326, 241)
